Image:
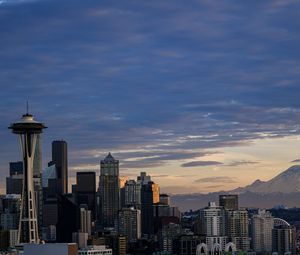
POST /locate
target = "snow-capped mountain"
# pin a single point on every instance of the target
(283, 189)
(286, 182)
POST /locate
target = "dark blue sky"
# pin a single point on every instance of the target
(161, 84)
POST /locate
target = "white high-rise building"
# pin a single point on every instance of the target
(262, 225)
(213, 222)
(85, 221)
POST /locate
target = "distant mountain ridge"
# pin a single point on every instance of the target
(283, 189)
(286, 182)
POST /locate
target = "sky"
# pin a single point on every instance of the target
(201, 94)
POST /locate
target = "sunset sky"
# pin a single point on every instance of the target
(203, 95)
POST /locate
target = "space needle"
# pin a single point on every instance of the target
(28, 129)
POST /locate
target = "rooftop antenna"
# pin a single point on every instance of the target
(27, 107)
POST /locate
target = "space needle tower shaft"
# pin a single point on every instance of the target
(28, 129)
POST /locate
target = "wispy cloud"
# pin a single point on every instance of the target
(12, 2)
(201, 163)
(216, 179)
(106, 76)
(241, 163)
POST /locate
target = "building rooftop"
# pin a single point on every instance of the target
(109, 159)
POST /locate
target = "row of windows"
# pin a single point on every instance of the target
(94, 253)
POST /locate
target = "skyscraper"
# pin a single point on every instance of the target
(60, 159)
(129, 224)
(109, 191)
(85, 221)
(149, 196)
(28, 130)
(14, 182)
(37, 161)
(86, 190)
(213, 222)
(50, 202)
(10, 211)
(237, 229)
(164, 199)
(262, 225)
(68, 218)
(15, 168)
(144, 178)
(283, 237)
(133, 194)
(229, 202)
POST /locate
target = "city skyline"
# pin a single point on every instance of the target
(203, 97)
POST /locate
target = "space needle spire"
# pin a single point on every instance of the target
(28, 129)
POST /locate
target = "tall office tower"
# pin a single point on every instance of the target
(229, 202)
(68, 218)
(133, 194)
(238, 229)
(49, 175)
(10, 211)
(86, 191)
(50, 203)
(144, 178)
(14, 182)
(122, 191)
(262, 225)
(164, 199)
(122, 197)
(149, 197)
(28, 130)
(15, 168)
(85, 221)
(213, 222)
(109, 190)
(129, 224)
(283, 237)
(60, 159)
(37, 161)
(164, 214)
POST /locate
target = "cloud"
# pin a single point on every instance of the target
(216, 179)
(8, 2)
(201, 163)
(71, 59)
(241, 163)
